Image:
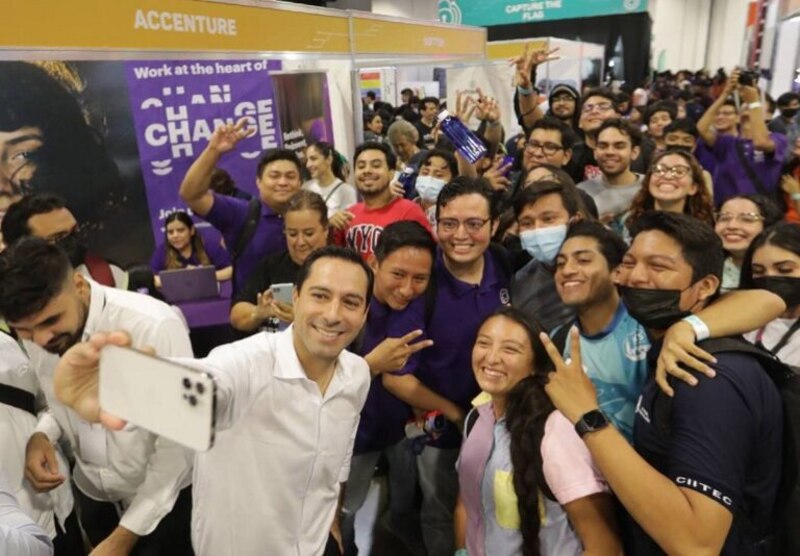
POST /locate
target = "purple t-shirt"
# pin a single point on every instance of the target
(730, 176)
(229, 215)
(384, 416)
(217, 254)
(446, 366)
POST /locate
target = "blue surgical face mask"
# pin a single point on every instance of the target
(429, 187)
(543, 244)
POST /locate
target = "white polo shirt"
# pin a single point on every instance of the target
(270, 484)
(143, 472)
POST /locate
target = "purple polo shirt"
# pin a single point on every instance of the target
(730, 176)
(217, 254)
(384, 416)
(446, 366)
(229, 215)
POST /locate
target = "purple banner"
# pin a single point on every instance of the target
(177, 105)
(303, 108)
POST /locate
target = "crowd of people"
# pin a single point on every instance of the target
(578, 344)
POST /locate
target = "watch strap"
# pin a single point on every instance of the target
(591, 421)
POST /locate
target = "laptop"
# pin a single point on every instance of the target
(189, 284)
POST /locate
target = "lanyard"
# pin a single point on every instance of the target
(784, 339)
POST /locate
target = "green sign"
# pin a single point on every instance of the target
(502, 12)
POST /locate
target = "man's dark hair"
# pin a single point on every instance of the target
(662, 106)
(32, 273)
(447, 156)
(600, 92)
(550, 123)
(272, 155)
(391, 159)
(335, 252)
(407, 91)
(405, 233)
(570, 197)
(428, 100)
(15, 222)
(786, 98)
(371, 94)
(624, 127)
(701, 247)
(463, 185)
(222, 182)
(685, 125)
(611, 244)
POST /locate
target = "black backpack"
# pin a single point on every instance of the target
(783, 538)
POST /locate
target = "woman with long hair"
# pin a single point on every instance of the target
(772, 263)
(184, 248)
(327, 177)
(527, 482)
(739, 220)
(674, 183)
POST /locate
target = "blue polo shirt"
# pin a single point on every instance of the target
(721, 438)
(384, 415)
(616, 361)
(460, 308)
(229, 216)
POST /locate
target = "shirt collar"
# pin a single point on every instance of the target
(288, 366)
(460, 288)
(97, 303)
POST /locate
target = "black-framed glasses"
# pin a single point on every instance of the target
(678, 171)
(549, 149)
(563, 98)
(472, 225)
(601, 106)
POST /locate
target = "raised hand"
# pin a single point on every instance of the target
(227, 136)
(529, 59)
(496, 175)
(392, 354)
(465, 106)
(678, 349)
(487, 108)
(569, 388)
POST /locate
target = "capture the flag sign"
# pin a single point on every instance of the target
(503, 12)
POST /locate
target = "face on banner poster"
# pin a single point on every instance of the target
(65, 130)
(177, 105)
(304, 109)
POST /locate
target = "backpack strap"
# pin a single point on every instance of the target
(332, 191)
(470, 420)
(751, 173)
(502, 257)
(16, 397)
(249, 229)
(99, 270)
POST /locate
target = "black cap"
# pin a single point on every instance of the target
(564, 88)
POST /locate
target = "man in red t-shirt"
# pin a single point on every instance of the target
(360, 226)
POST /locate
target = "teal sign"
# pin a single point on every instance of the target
(502, 12)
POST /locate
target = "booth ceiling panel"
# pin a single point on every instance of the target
(169, 25)
(380, 36)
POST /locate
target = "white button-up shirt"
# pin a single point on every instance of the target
(270, 484)
(16, 427)
(143, 472)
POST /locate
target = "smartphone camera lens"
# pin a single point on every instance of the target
(187, 383)
(192, 400)
(200, 388)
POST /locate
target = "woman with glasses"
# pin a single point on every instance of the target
(674, 183)
(739, 220)
(773, 263)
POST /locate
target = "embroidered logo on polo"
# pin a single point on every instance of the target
(636, 345)
(505, 296)
(364, 237)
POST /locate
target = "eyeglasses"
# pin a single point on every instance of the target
(563, 98)
(744, 217)
(548, 149)
(601, 107)
(472, 225)
(679, 171)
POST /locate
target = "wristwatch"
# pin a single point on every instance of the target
(592, 421)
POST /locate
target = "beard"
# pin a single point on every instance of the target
(58, 345)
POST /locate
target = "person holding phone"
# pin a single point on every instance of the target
(132, 488)
(287, 408)
(306, 229)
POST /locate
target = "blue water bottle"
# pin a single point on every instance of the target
(462, 137)
(406, 178)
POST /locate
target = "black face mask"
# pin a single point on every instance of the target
(785, 287)
(789, 112)
(75, 249)
(655, 309)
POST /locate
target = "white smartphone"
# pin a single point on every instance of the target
(166, 398)
(282, 292)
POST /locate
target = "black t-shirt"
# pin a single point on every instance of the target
(426, 140)
(721, 438)
(275, 269)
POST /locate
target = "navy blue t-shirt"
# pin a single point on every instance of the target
(721, 438)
